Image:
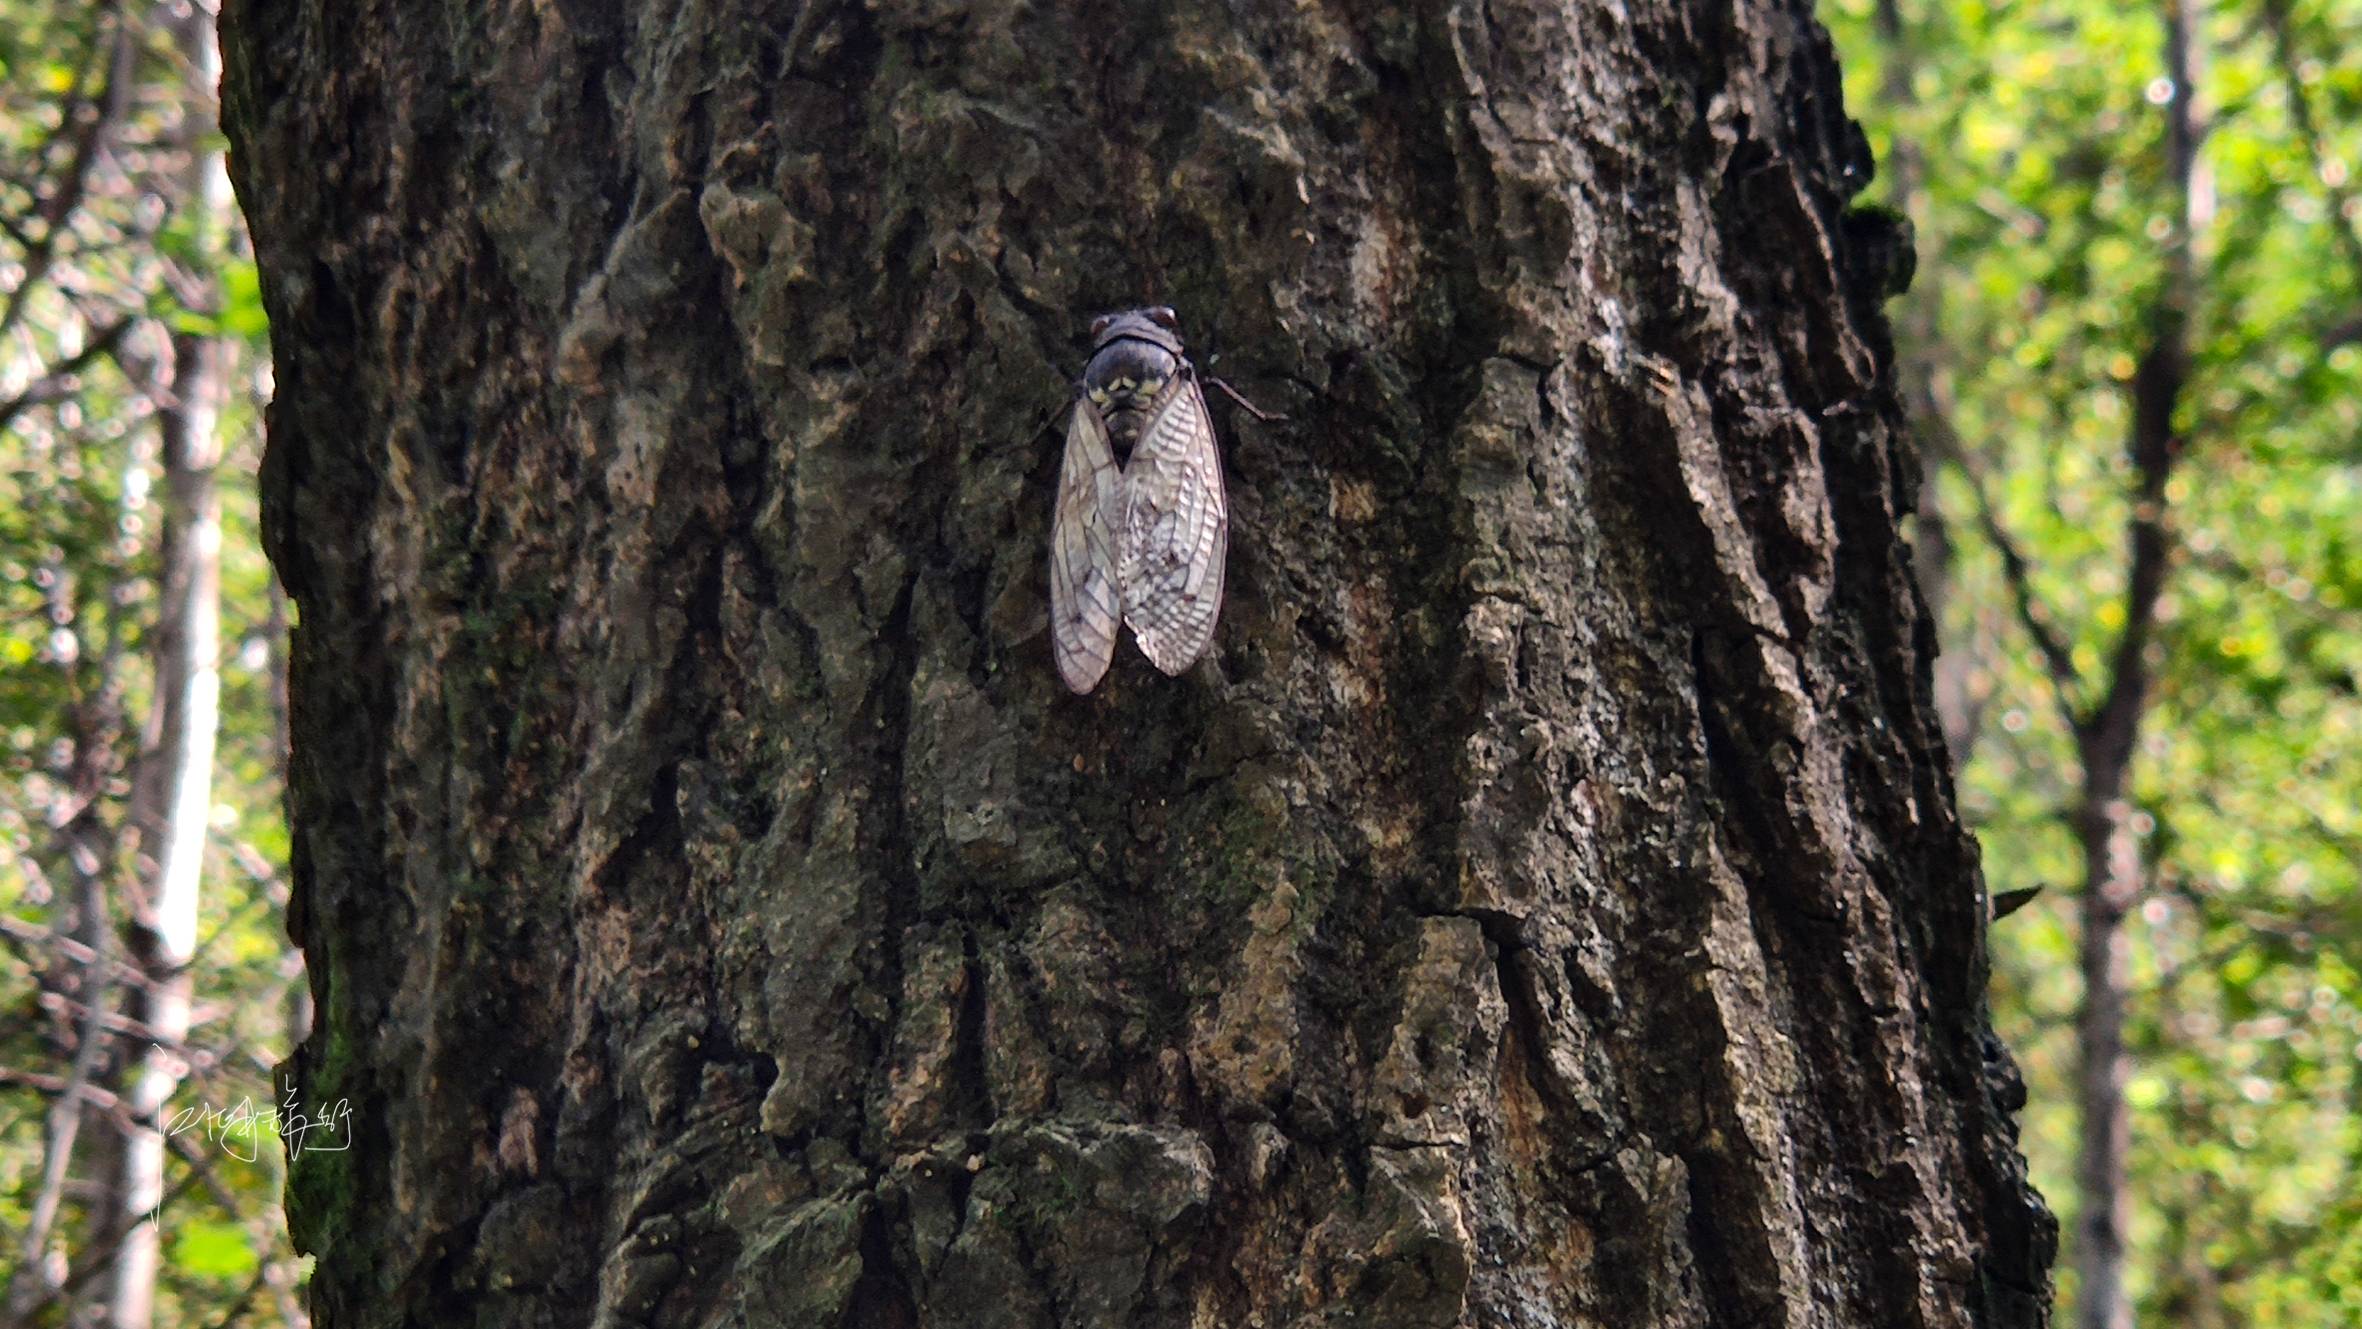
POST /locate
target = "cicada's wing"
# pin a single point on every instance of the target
(1085, 605)
(1175, 531)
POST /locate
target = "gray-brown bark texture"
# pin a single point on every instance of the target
(1545, 907)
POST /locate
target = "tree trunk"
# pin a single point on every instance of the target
(1546, 907)
(2112, 880)
(175, 809)
(2108, 739)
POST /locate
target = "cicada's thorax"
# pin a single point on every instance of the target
(1130, 371)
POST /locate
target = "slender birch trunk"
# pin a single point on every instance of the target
(187, 713)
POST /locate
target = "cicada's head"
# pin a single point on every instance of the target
(1136, 353)
(1154, 324)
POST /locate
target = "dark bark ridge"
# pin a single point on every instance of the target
(1547, 907)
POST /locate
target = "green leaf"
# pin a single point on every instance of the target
(210, 1249)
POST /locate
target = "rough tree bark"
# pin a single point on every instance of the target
(1547, 907)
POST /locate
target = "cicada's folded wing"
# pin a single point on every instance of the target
(1175, 531)
(1085, 605)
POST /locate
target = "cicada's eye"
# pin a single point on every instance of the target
(1162, 316)
(1099, 324)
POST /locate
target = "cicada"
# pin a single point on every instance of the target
(1142, 525)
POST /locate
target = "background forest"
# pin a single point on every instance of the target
(2133, 353)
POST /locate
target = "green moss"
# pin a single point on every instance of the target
(322, 1198)
(323, 1176)
(1053, 1196)
(1249, 837)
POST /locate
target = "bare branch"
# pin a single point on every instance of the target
(2114, 724)
(119, 1023)
(2300, 109)
(57, 382)
(2066, 683)
(58, 209)
(64, 1126)
(245, 1299)
(2157, 384)
(33, 934)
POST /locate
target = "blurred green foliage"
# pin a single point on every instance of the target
(102, 257)
(2030, 142)
(2031, 154)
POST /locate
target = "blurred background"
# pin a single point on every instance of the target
(145, 972)
(2133, 354)
(2133, 359)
